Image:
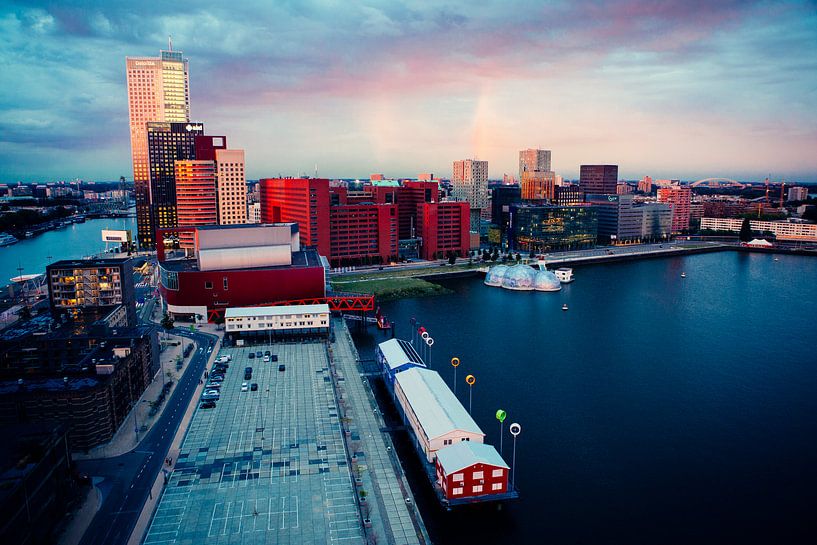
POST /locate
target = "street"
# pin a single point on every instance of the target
(124, 481)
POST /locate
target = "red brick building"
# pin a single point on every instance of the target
(301, 200)
(444, 227)
(679, 199)
(362, 232)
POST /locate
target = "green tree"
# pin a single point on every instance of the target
(167, 323)
(452, 257)
(745, 231)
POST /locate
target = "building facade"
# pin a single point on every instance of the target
(468, 469)
(158, 90)
(567, 195)
(534, 160)
(537, 185)
(167, 143)
(444, 227)
(502, 197)
(542, 228)
(196, 200)
(231, 187)
(679, 199)
(782, 230)
(621, 220)
(797, 194)
(599, 179)
(470, 183)
(93, 287)
(304, 201)
(362, 233)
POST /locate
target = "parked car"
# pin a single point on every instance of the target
(252, 355)
(274, 357)
(254, 386)
(258, 354)
(244, 387)
(210, 395)
(213, 386)
(266, 359)
(207, 405)
(282, 367)
(266, 352)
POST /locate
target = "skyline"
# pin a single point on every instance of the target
(661, 90)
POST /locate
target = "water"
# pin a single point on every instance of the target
(75, 241)
(656, 410)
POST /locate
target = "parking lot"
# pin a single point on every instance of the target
(265, 466)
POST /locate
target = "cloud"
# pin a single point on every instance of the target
(418, 85)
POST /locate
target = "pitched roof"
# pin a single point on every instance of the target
(467, 453)
(398, 352)
(437, 409)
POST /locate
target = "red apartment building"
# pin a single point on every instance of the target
(195, 197)
(444, 227)
(680, 200)
(361, 232)
(301, 200)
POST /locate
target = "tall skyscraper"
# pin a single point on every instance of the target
(167, 143)
(470, 182)
(232, 187)
(158, 91)
(531, 160)
(598, 179)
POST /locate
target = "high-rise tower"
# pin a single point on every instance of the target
(158, 91)
(533, 160)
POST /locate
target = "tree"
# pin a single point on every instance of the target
(495, 255)
(452, 257)
(745, 231)
(518, 257)
(167, 323)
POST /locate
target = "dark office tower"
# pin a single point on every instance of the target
(167, 143)
(600, 179)
(502, 198)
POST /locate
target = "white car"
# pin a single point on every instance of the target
(266, 359)
(244, 387)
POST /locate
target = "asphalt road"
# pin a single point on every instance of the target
(125, 481)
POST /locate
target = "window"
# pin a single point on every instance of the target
(225, 283)
(478, 475)
(497, 473)
(208, 285)
(496, 486)
(477, 488)
(456, 491)
(457, 476)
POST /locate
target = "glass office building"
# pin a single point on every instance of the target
(543, 228)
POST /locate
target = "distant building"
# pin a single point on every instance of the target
(797, 194)
(542, 228)
(598, 179)
(231, 186)
(502, 198)
(95, 288)
(254, 213)
(470, 184)
(377, 177)
(158, 91)
(444, 227)
(645, 185)
(621, 220)
(534, 160)
(196, 198)
(425, 177)
(537, 185)
(568, 194)
(782, 230)
(623, 188)
(679, 198)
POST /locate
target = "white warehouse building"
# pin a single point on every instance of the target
(278, 320)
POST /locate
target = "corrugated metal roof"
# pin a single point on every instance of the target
(437, 409)
(398, 352)
(467, 453)
(240, 312)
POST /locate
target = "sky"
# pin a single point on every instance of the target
(671, 89)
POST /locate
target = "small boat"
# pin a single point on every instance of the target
(7, 240)
(776, 259)
(564, 274)
(683, 275)
(564, 307)
(29, 234)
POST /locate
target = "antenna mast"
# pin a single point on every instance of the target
(170, 42)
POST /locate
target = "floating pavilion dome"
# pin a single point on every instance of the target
(546, 281)
(495, 275)
(519, 277)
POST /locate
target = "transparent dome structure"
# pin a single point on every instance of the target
(519, 277)
(546, 281)
(495, 275)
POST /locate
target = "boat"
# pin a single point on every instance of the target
(683, 275)
(7, 240)
(564, 307)
(776, 259)
(29, 234)
(564, 274)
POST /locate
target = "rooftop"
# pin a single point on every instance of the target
(238, 312)
(437, 409)
(398, 352)
(305, 258)
(467, 453)
(94, 262)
